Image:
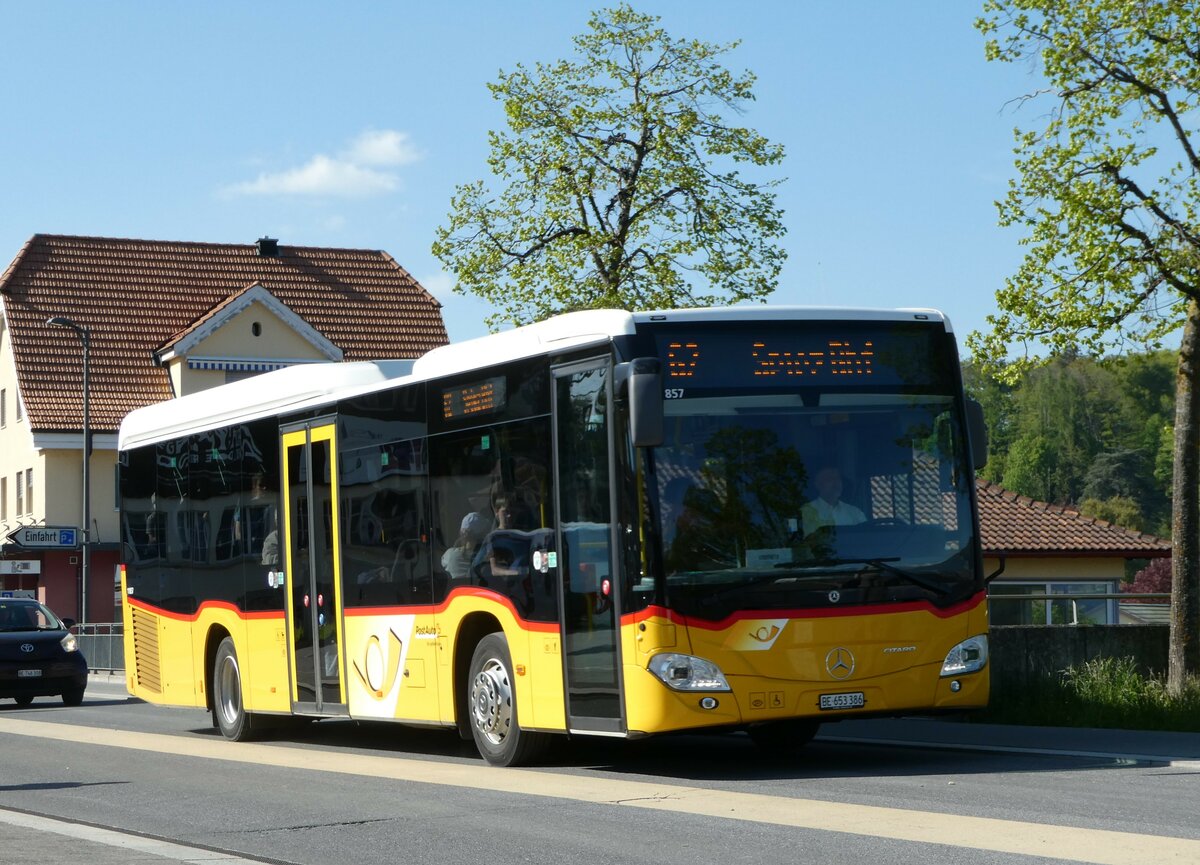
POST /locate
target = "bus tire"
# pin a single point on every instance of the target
(230, 715)
(492, 707)
(783, 738)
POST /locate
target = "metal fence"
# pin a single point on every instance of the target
(103, 644)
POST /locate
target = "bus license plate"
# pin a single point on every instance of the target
(28, 674)
(855, 700)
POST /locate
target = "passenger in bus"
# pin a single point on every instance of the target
(504, 553)
(458, 557)
(828, 508)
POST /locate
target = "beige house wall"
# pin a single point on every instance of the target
(235, 340)
(1055, 568)
(16, 448)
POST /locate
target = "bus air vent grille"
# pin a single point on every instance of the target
(145, 651)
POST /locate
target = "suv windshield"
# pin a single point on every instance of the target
(786, 500)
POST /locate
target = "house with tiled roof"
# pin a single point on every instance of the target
(1042, 549)
(162, 319)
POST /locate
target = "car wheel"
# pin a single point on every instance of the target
(492, 704)
(231, 716)
(23, 700)
(73, 697)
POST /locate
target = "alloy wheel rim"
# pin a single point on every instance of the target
(491, 701)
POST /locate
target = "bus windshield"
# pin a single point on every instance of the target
(816, 489)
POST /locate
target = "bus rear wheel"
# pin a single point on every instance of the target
(492, 704)
(228, 711)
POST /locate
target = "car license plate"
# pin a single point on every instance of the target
(28, 674)
(855, 700)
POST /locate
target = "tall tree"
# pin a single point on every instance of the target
(621, 182)
(1109, 193)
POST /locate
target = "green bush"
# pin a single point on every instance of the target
(1105, 692)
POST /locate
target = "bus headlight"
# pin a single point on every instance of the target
(969, 656)
(688, 673)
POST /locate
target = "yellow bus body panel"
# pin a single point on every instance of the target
(778, 667)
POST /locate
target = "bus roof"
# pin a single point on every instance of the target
(305, 386)
(292, 388)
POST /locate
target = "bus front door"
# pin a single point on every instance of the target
(583, 454)
(314, 609)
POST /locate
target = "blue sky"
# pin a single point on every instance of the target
(349, 124)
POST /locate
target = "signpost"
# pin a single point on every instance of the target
(45, 537)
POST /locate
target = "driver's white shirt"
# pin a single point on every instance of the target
(819, 513)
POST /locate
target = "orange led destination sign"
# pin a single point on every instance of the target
(481, 397)
(828, 358)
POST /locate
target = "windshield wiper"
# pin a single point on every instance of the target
(879, 564)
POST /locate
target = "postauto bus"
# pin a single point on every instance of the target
(603, 524)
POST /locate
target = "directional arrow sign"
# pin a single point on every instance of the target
(45, 537)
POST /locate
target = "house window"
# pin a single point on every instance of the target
(3, 499)
(1071, 609)
(20, 493)
(17, 406)
(29, 491)
(3, 407)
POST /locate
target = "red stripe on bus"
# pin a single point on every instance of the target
(460, 592)
(192, 617)
(824, 613)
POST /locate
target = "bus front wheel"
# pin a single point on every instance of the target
(783, 738)
(230, 714)
(491, 702)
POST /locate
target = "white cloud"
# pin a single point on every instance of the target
(383, 147)
(357, 172)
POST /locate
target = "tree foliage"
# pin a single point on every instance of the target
(1108, 196)
(622, 182)
(1152, 579)
(1076, 429)
(1109, 187)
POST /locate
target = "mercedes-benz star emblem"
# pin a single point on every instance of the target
(839, 663)
(835, 596)
(27, 647)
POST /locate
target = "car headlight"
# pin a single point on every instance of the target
(688, 673)
(69, 643)
(969, 656)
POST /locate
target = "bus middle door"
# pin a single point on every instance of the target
(583, 458)
(313, 561)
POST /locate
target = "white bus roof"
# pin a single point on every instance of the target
(305, 386)
(292, 388)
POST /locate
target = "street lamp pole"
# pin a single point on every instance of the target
(85, 338)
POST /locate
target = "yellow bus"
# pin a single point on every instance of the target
(604, 524)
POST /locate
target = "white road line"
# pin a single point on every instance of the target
(125, 841)
(1067, 843)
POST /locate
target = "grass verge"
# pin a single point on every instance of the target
(1106, 692)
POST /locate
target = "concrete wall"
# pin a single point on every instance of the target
(1021, 654)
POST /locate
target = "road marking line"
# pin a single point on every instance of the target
(1067, 843)
(125, 841)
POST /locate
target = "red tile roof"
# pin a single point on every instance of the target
(134, 296)
(1016, 525)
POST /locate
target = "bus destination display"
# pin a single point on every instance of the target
(476, 398)
(836, 357)
(767, 358)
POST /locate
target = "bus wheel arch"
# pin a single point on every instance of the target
(229, 708)
(492, 706)
(216, 635)
(471, 630)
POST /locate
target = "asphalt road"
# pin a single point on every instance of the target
(120, 781)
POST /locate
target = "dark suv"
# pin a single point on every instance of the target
(39, 656)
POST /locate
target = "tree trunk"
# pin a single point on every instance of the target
(1184, 652)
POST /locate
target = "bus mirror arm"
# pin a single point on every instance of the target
(977, 434)
(642, 379)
